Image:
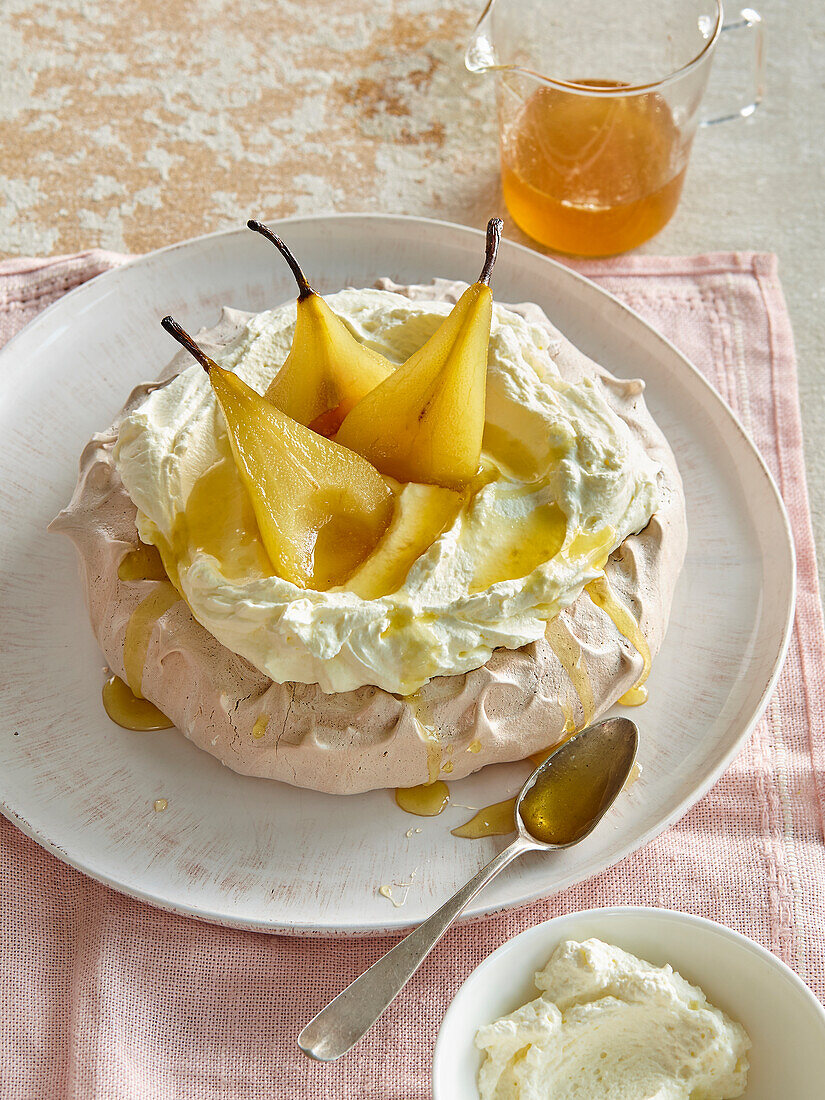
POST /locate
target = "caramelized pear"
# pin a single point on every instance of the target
(320, 508)
(425, 422)
(327, 370)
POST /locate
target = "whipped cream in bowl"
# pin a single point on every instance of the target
(607, 1023)
(564, 481)
(630, 1003)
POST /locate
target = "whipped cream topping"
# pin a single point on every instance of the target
(564, 481)
(610, 1025)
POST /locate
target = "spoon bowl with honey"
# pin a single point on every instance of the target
(561, 803)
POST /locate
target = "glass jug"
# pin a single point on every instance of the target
(598, 106)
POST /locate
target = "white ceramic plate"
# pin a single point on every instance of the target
(262, 855)
(785, 1022)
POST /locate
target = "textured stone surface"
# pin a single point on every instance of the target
(131, 125)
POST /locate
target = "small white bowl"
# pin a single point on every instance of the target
(784, 1020)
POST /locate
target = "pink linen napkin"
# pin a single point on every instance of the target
(104, 997)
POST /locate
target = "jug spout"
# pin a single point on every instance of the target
(480, 56)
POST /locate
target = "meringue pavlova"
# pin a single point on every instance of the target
(402, 537)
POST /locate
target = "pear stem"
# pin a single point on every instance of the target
(183, 338)
(494, 228)
(304, 289)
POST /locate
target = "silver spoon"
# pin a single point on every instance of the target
(562, 802)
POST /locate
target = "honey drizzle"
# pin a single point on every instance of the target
(633, 775)
(496, 820)
(142, 564)
(569, 653)
(426, 800)
(604, 597)
(128, 711)
(635, 696)
(139, 632)
(259, 728)
(428, 735)
(430, 798)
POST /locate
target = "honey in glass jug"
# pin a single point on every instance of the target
(598, 106)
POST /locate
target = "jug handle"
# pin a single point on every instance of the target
(747, 26)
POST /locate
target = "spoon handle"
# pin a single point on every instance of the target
(352, 1013)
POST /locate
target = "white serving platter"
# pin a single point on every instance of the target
(262, 855)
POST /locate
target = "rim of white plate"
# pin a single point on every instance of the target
(478, 911)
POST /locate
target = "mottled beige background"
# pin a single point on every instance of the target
(128, 124)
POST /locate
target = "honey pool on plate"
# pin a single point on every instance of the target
(129, 711)
(592, 175)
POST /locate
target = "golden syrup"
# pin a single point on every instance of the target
(514, 456)
(426, 800)
(495, 820)
(498, 819)
(433, 752)
(634, 697)
(159, 805)
(328, 423)
(592, 175)
(524, 536)
(560, 807)
(569, 653)
(474, 746)
(428, 735)
(259, 728)
(219, 520)
(593, 547)
(538, 758)
(142, 564)
(569, 717)
(633, 775)
(386, 892)
(139, 631)
(604, 597)
(128, 711)
(430, 798)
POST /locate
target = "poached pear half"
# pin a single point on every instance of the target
(321, 509)
(425, 421)
(328, 370)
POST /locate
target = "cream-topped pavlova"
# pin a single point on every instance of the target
(402, 533)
